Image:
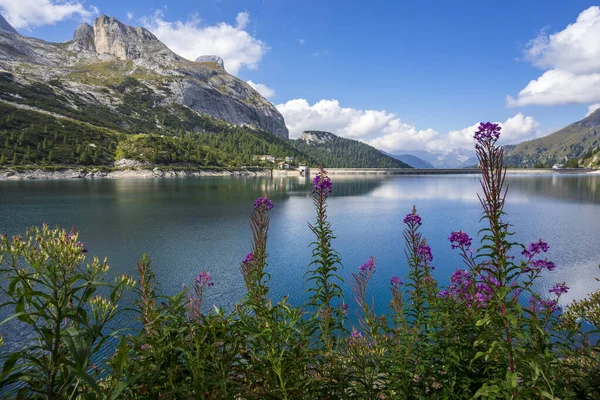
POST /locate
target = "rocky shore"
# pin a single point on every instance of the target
(10, 174)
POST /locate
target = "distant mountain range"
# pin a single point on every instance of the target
(411, 160)
(333, 151)
(455, 158)
(578, 144)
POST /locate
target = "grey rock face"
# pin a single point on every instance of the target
(102, 54)
(127, 43)
(5, 26)
(316, 137)
(215, 59)
(83, 38)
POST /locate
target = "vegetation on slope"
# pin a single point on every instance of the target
(33, 138)
(333, 151)
(576, 142)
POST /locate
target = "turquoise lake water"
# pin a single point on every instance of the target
(190, 225)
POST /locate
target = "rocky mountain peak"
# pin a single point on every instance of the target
(317, 137)
(83, 38)
(126, 42)
(211, 58)
(108, 51)
(5, 26)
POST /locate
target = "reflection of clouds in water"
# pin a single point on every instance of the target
(579, 277)
(462, 188)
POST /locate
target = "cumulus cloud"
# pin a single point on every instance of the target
(571, 59)
(592, 108)
(263, 89)
(515, 129)
(386, 131)
(190, 39)
(29, 14)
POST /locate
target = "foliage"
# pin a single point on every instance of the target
(32, 138)
(345, 153)
(487, 334)
(27, 137)
(55, 296)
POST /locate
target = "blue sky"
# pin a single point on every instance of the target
(400, 75)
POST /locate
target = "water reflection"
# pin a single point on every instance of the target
(187, 225)
(584, 188)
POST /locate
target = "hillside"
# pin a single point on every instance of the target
(579, 142)
(29, 137)
(333, 151)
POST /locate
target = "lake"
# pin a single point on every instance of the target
(190, 225)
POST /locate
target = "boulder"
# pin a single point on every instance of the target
(213, 59)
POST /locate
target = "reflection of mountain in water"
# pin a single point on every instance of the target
(579, 188)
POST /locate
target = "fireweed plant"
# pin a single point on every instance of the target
(486, 334)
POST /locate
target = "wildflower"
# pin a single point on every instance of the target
(487, 132)
(204, 279)
(146, 347)
(369, 265)
(249, 258)
(558, 289)
(535, 248)
(395, 281)
(539, 265)
(322, 184)
(344, 309)
(355, 337)
(356, 334)
(424, 252)
(549, 305)
(263, 202)
(459, 240)
(412, 218)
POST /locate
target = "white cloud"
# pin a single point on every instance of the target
(263, 89)
(571, 59)
(592, 108)
(29, 14)
(516, 129)
(242, 19)
(386, 131)
(301, 41)
(129, 15)
(191, 39)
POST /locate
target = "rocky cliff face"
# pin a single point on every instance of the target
(90, 69)
(5, 26)
(316, 137)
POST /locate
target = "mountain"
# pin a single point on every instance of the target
(578, 142)
(333, 151)
(455, 158)
(123, 78)
(5, 26)
(411, 160)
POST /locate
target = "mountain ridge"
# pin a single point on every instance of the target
(333, 151)
(411, 160)
(86, 70)
(578, 141)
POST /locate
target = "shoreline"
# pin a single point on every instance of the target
(72, 173)
(67, 173)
